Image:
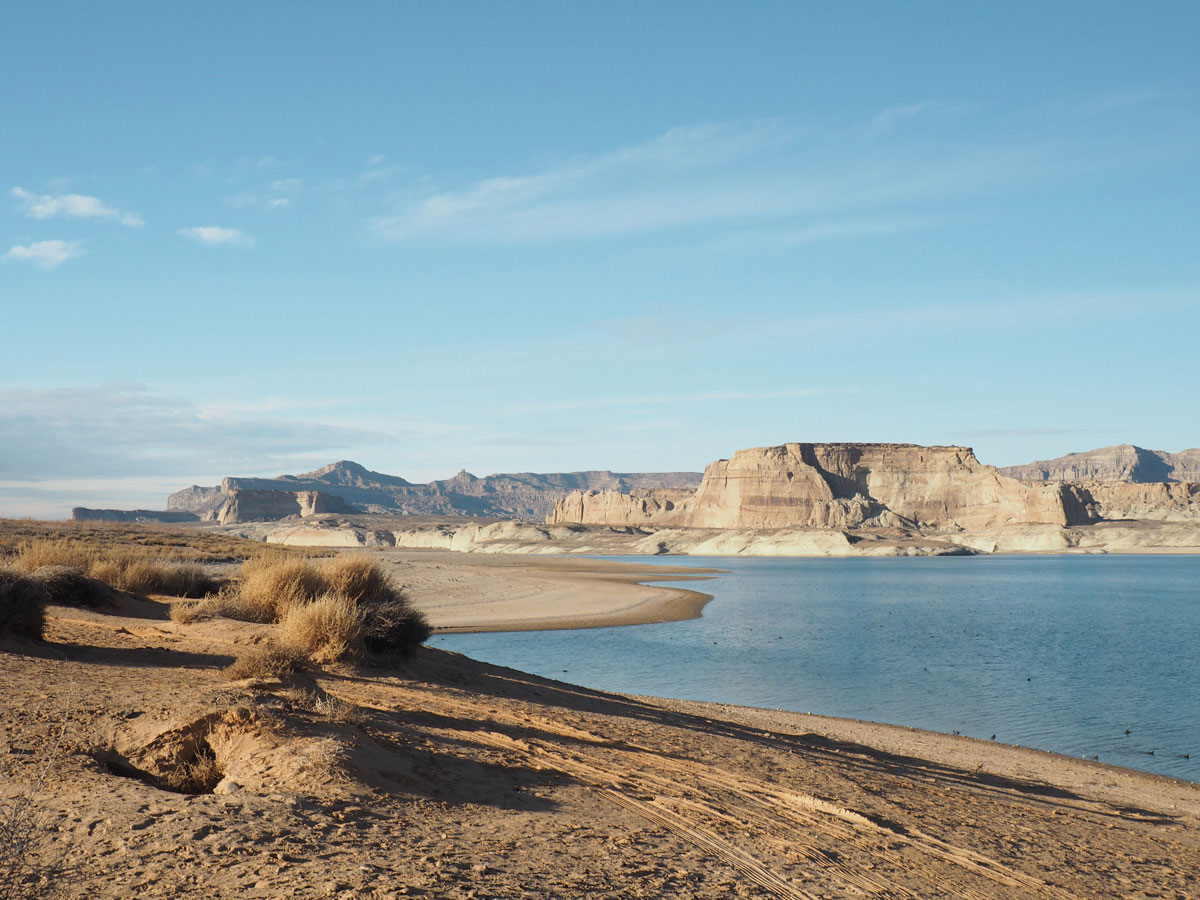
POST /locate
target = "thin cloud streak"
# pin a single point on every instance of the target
(762, 175)
(73, 206)
(682, 398)
(47, 254)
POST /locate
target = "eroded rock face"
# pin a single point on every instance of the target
(259, 506)
(1124, 462)
(839, 486)
(520, 495)
(1113, 501)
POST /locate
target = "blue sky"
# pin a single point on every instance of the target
(255, 238)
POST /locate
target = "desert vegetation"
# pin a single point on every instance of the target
(22, 605)
(334, 610)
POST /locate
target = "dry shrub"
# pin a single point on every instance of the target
(394, 627)
(22, 605)
(68, 586)
(336, 610)
(185, 612)
(275, 582)
(330, 627)
(358, 578)
(269, 660)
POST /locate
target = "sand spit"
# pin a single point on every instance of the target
(450, 778)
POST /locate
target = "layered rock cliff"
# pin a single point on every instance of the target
(1124, 462)
(840, 486)
(520, 495)
(245, 505)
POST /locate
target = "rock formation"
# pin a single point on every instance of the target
(244, 505)
(521, 495)
(839, 486)
(1124, 462)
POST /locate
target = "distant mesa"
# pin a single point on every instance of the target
(822, 486)
(1124, 463)
(858, 485)
(347, 487)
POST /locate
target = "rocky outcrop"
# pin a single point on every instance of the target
(244, 505)
(195, 499)
(84, 514)
(663, 507)
(521, 495)
(1124, 462)
(1113, 501)
(841, 486)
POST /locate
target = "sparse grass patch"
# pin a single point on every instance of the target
(126, 570)
(269, 660)
(22, 605)
(37, 553)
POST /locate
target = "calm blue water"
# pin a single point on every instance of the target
(1062, 653)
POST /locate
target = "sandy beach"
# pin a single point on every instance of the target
(446, 777)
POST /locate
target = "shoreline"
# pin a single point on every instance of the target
(472, 593)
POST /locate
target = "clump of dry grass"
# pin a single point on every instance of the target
(269, 660)
(358, 578)
(22, 605)
(68, 586)
(333, 611)
(330, 627)
(273, 583)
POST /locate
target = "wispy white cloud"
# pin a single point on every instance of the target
(811, 185)
(46, 254)
(216, 236)
(280, 194)
(73, 206)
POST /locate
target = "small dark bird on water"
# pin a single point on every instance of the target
(993, 737)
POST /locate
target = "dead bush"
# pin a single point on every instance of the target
(330, 627)
(22, 605)
(269, 660)
(394, 627)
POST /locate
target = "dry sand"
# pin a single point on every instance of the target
(452, 778)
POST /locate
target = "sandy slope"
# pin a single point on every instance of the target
(451, 778)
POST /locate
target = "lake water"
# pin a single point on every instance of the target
(1062, 653)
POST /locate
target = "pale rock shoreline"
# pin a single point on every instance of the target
(511, 537)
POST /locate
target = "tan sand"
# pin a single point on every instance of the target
(450, 778)
(470, 592)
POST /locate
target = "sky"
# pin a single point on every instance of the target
(252, 239)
